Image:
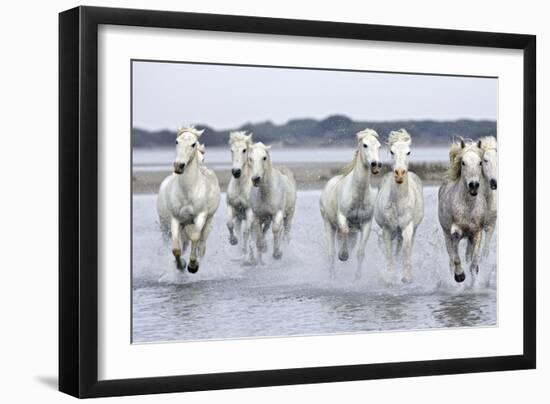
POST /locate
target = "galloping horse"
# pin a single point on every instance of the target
(239, 209)
(188, 199)
(273, 199)
(490, 172)
(462, 205)
(400, 203)
(347, 201)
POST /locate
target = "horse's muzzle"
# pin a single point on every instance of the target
(375, 167)
(493, 184)
(236, 172)
(178, 167)
(256, 181)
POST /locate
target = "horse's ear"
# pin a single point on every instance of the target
(249, 138)
(200, 132)
(268, 147)
(479, 143)
(462, 145)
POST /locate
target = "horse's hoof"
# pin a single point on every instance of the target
(474, 269)
(179, 264)
(460, 277)
(193, 267)
(233, 240)
(277, 255)
(343, 255)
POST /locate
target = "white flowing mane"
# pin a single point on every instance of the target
(455, 157)
(240, 136)
(400, 135)
(191, 129)
(488, 143)
(360, 136)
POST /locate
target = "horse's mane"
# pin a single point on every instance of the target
(360, 136)
(455, 157)
(240, 136)
(350, 166)
(400, 135)
(191, 129)
(488, 143)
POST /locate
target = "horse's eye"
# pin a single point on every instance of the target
(391, 151)
(480, 163)
(177, 142)
(409, 153)
(265, 158)
(364, 145)
(194, 144)
(486, 161)
(463, 163)
(244, 150)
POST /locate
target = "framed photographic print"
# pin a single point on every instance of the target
(251, 201)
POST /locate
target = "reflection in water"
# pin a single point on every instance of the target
(294, 296)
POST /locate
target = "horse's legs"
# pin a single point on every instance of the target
(204, 236)
(469, 250)
(329, 240)
(247, 226)
(489, 231)
(398, 245)
(230, 225)
(195, 236)
(408, 238)
(175, 228)
(365, 231)
(287, 224)
(476, 249)
(455, 237)
(257, 226)
(388, 244)
(277, 228)
(343, 228)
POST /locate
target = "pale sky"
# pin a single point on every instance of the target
(169, 95)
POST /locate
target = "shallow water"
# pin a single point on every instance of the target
(294, 296)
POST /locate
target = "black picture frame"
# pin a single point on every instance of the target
(78, 201)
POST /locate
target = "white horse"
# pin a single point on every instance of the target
(202, 152)
(239, 208)
(188, 199)
(490, 172)
(273, 199)
(462, 205)
(400, 202)
(347, 201)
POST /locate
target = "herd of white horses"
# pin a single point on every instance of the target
(261, 196)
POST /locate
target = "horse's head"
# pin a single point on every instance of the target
(201, 152)
(471, 170)
(367, 148)
(260, 162)
(187, 146)
(399, 143)
(490, 166)
(240, 144)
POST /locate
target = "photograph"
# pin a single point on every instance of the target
(276, 201)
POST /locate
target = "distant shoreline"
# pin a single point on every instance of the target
(308, 176)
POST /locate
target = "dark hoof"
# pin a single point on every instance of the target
(277, 255)
(343, 255)
(460, 277)
(180, 265)
(455, 236)
(233, 240)
(193, 267)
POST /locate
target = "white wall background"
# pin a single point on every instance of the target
(28, 202)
